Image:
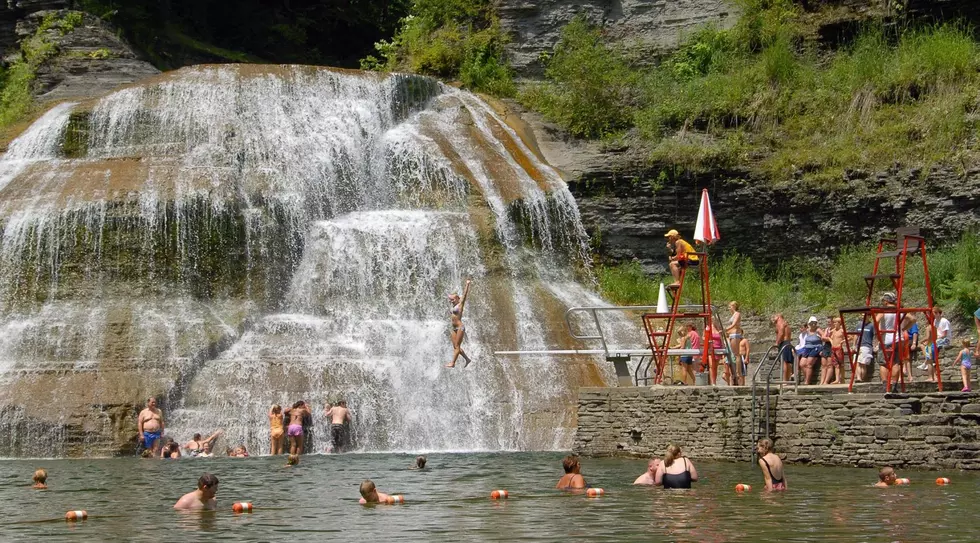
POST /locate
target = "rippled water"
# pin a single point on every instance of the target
(131, 499)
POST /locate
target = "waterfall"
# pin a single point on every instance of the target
(230, 237)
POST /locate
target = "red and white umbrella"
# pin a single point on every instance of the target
(706, 229)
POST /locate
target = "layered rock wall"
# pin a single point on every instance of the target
(926, 430)
(644, 27)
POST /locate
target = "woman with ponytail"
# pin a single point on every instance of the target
(676, 471)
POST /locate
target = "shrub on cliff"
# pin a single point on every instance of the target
(451, 39)
(591, 86)
(761, 97)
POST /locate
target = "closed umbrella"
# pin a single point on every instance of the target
(706, 229)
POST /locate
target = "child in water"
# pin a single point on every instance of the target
(40, 479)
(292, 460)
(370, 494)
(965, 360)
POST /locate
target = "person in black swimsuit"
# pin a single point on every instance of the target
(572, 480)
(669, 473)
(771, 466)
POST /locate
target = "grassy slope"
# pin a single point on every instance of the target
(766, 98)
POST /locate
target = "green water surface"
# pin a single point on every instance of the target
(131, 500)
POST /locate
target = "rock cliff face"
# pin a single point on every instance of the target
(645, 27)
(626, 206)
(90, 60)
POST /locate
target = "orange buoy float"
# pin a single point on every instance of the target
(595, 492)
(242, 507)
(499, 495)
(396, 499)
(742, 487)
(903, 481)
(942, 481)
(76, 515)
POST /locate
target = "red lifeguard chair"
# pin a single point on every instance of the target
(907, 244)
(660, 326)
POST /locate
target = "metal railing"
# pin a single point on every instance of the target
(773, 363)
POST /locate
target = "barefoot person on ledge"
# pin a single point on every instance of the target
(150, 426)
(572, 480)
(648, 476)
(202, 498)
(682, 256)
(458, 331)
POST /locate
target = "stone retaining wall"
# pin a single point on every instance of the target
(819, 426)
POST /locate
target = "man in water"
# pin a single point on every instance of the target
(150, 426)
(572, 480)
(419, 463)
(339, 417)
(647, 477)
(202, 498)
(783, 334)
(370, 494)
(886, 478)
(295, 429)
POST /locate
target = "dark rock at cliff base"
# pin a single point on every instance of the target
(627, 204)
(644, 27)
(91, 59)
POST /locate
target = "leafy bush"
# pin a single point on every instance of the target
(590, 87)
(453, 39)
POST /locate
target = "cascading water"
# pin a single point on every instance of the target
(233, 237)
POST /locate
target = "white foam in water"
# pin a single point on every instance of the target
(379, 183)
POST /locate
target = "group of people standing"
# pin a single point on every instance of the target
(298, 432)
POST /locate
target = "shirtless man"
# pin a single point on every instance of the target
(339, 417)
(886, 478)
(202, 498)
(837, 339)
(647, 477)
(744, 350)
(150, 426)
(783, 334)
(295, 428)
(370, 494)
(572, 480)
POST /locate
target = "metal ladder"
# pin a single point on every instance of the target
(770, 362)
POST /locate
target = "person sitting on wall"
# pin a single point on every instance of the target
(572, 480)
(683, 256)
(648, 477)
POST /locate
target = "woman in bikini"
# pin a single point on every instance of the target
(458, 330)
(275, 429)
(772, 466)
(197, 445)
(676, 471)
(572, 480)
(734, 331)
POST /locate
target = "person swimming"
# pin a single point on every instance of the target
(419, 463)
(649, 476)
(40, 479)
(370, 494)
(771, 464)
(572, 480)
(669, 473)
(886, 478)
(458, 328)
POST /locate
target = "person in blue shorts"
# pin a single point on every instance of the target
(150, 425)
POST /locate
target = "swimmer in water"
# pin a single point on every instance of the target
(886, 478)
(459, 330)
(419, 463)
(648, 476)
(195, 446)
(370, 494)
(201, 499)
(292, 460)
(572, 480)
(771, 465)
(40, 479)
